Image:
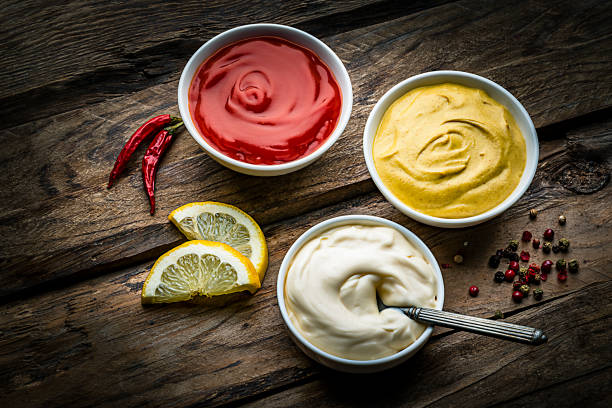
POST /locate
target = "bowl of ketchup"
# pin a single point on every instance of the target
(265, 99)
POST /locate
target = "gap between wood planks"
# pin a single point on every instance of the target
(258, 399)
(83, 302)
(48, 328)
(55, 208)
(352, 191)
(162, 62)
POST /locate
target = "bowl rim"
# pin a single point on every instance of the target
(251, 31)
(531, 161)
(359, 220)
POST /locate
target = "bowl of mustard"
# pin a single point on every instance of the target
(450, 149)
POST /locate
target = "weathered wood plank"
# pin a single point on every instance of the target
(55, 198)
(521, 53)
(88, 51)
(76, 343)
(469, 370)
(94, 340)
(588, 390)
(76, 41)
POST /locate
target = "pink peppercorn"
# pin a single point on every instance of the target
(514, 266)
(517, 295)
(562, 276)
(526, 236)
(510, 275)
(549, 234)
(536, 243)
(547, 266)
(524, 256)
(543, 277)
(531, 274)
(474, 291)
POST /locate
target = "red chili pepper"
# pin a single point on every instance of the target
(152, 157)
(149, 128)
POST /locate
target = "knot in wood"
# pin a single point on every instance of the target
(584, 176)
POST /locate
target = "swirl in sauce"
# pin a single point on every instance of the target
(264, 100)
(331, 286)
(449, 151)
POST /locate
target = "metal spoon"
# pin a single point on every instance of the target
(493, 328)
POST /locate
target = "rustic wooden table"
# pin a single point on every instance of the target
(78, 77)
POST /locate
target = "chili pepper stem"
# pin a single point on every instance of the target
(175, 119)
(173, 128)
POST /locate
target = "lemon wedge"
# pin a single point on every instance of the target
(199, 268)
(224, 223)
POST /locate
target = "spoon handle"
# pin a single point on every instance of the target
(487, 327)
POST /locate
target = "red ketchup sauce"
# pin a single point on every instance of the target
(264, 100)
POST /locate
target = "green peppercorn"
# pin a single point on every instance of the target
(561, 264)
(537, 278)
(533, 213)
(513, 245)
(562, 220)
(524, 289)
(564, 244)
(499, 314)
(537, 294)
(523, 272)
(572, 266)
(546, 247)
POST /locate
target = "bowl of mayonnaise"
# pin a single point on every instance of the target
(328, 285)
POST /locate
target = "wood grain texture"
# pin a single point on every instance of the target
(126, 37)
(89, 51)
(95, 345)
(78, 77)
(506, 374)
(63, 223)
(95, 339)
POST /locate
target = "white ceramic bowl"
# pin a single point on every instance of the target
(255, 30)
(495, 91)
(339, 363)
